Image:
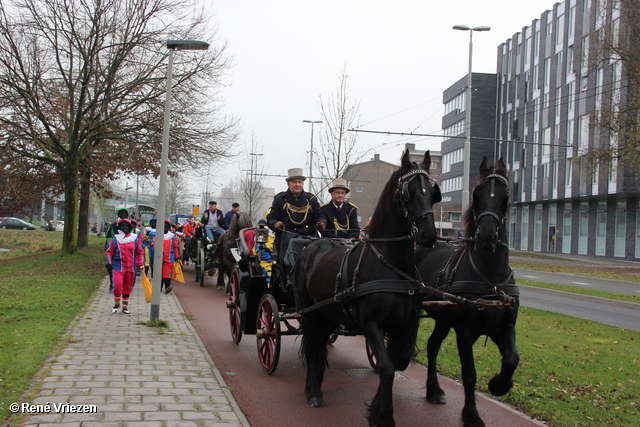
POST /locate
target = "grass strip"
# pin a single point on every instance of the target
(40, 294)
(572, 372)
(582, 271)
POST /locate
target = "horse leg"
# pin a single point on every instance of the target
(380, 412)
(314, 344)
(502, 382)
(470, 416)
(435, 394)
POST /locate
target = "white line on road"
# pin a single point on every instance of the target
(530, 277)
(581, 283)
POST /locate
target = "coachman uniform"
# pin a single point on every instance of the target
(299, 214)
(341, 222)
(342, 217)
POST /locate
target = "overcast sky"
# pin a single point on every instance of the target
(399, 55)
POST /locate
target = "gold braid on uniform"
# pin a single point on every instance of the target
(340, 227)
(296, 210)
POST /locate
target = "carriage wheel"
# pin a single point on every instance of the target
(202, 264)
(268, 333)
(233, 304)
(199, 261)
(372, 358)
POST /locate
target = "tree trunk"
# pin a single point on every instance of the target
(70, 183)
(83, 214)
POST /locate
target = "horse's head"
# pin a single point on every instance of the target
(490, 204)
(417, 193)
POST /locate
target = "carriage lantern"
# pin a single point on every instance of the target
(262, 234)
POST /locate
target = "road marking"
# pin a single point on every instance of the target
(530, 277)
(638, 292)
(581, 283)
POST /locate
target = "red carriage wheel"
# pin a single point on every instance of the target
(233, 304)
(198, 263)
(268, 333)
(202, 264)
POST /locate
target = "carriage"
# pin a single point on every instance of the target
(202, 254)
(371, 289)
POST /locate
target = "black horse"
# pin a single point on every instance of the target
(227, 241)
(479, 271)
(370, 287)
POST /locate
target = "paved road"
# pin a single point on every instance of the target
(349, 382)
(609, 312)
(611, 285)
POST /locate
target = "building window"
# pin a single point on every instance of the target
(583, 135)
(559, 29)
(571, 21)
(621, 228)
(570, 133)
(524, 230)
(450, 159)
(454, 216)
(568, 176)
(537, 229)
(571, 88)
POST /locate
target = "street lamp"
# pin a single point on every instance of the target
(172, 45)
(311, 152)
(466, 154)
(251, 192)
(126, 195)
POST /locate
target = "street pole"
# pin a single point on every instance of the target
(162, 191)
(466, 153)
(311, 153)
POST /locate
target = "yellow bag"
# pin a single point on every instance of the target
(146, 285)
(177, 272)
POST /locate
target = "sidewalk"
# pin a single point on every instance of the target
(129, 374)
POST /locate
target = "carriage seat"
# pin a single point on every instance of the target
(247, 240)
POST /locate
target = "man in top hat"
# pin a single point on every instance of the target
(294, 212)
(342, 217)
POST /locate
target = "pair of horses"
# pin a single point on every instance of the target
(375, 287)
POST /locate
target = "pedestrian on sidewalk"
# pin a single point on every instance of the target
(170, 255)
(124, 254)
(111, 232)
(148, 245)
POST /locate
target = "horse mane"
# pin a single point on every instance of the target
(385, 205)
(468, 223)
(239, 221)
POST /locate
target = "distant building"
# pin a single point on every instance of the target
(366, 181)
(483, 131)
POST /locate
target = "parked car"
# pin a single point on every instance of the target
(59, 225)
(16, 224)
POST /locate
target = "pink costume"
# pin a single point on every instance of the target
(170, 254)
(124, 253)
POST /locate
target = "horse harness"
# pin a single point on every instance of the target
(492, 177)
(408, 286)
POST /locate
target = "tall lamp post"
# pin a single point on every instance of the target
(466, 154)
(172, 45)
(311, 153)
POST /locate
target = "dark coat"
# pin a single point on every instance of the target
(218, 214)
(298, 214)
(342, 224)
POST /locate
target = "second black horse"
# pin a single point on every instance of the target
(370, 287)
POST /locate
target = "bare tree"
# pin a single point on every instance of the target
(615, 123)
(252, 183)
(177, 194)
(84, 83)
(338, 145)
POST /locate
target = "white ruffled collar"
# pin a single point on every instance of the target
(122, 238)
(168, 235)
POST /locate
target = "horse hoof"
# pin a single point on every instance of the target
(316, 402)
(499, 388)
(440, 399)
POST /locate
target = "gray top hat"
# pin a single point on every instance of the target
(295, 173)
(339, 183)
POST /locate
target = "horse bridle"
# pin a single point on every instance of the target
(404, 196)
(492, 177)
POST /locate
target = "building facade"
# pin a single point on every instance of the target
(483, 131)
(550, 90)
